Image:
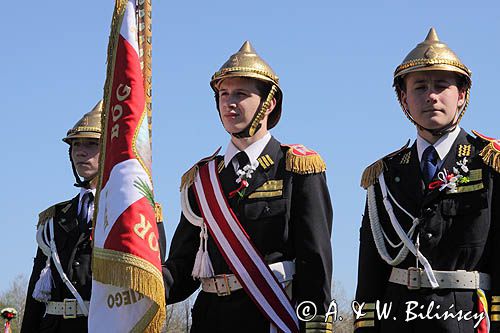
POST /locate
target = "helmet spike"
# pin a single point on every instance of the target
(432, 36)
(246, 48)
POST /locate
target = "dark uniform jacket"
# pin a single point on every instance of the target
(289, 224)
(458, 231)
(74, 249)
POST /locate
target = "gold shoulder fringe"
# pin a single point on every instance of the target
(491, 152)
(189, 176)
(371, 173)
(304, 164)
(158, 212)
(491, 155)
(46, 215)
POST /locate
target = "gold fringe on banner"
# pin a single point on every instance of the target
(129, 271)
(371, 173)
(491, 156)
(304, 165)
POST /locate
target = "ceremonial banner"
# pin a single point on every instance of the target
(127, 289)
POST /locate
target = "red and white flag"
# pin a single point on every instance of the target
(127, 289)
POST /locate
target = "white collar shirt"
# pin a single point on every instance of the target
(442, 146)
(253, 151)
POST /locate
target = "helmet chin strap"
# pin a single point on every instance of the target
(246, 132)
(440, 131)
(255, 124)
(450, 127)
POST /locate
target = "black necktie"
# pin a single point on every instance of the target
(429, 163)
(83, 216)
(242, 159)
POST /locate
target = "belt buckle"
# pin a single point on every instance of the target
(226, 281)
(68, 303)
(414, 278)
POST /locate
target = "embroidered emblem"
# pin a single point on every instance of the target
(464, 150)
(469, 188)
(475, 175)
(220, 166)
(267, 194)
(265, 161)
(271, 185)
(302, 160)
(430, 53)
(271, 188)
(66, 208)
(406, 158)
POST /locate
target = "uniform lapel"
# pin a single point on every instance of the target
(449, 162)
(227, 177)
(65, 222)
(404, 180)
(262, 174)
(67, 215)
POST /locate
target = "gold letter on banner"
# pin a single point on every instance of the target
(142, 227)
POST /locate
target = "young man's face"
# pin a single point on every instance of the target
(432, 98)
(85, 155)
(239, 100)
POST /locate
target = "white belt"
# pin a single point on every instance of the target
(224, 284)
(68, 308)
(415, 278)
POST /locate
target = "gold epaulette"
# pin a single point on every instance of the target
(46, 215)
(51, 212)
(302, 160)
(371, 173)
(491, 152)
(189, 176)
(158, 212)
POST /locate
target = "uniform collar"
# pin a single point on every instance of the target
(253, 151)
(442, 146)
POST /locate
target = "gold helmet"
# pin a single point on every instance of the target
(89, 126)
(432, 55)
(247, 63)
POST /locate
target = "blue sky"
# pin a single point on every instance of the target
(335, 61)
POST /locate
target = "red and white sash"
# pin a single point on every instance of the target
(240, 253)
